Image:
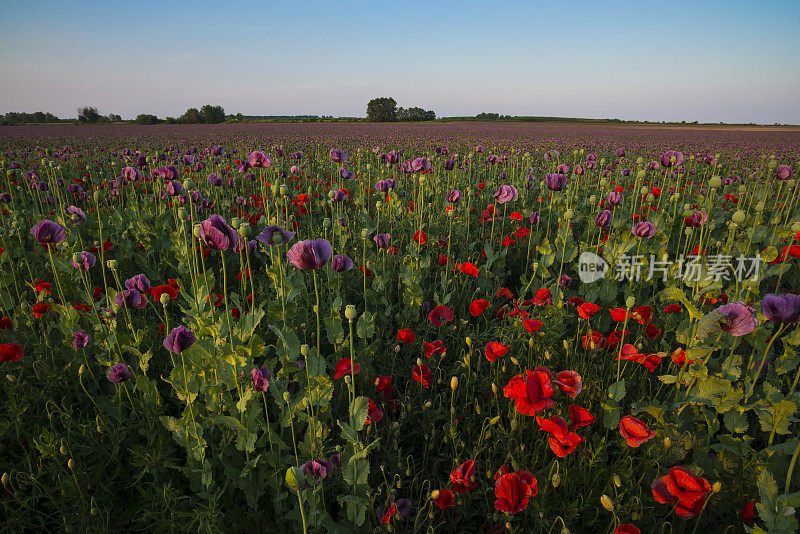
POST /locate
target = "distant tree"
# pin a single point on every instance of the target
(212, 114)
(192, 116)
(487, 116)
(146, 119)
(112, 117)
(88, 115)
(170, 120)
(415, 115)
(383, 109)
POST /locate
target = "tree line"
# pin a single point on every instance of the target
(384, 109)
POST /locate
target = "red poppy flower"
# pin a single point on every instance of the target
(587, 309)
(635, 431)
(593, 341)
(374, 414)
(469, 269)
(618, 314)
(434, 349)
(40, 308)
(531, 393)
(422, 374)
(542, 297)
(366, 271)
(532, 325)
(392, 251)
(651, 361)
(562, 440)
(494, 350)
(463, 477)
(11, 352)
(513, 491)
(580, 417)
(445, 499)
(502, 470)
(679, 358)
(522, 232)
(575, 301)
(569, 382)
(439, 315)
(81, 308)
(96, 293)
(508, 242)
(673, 308)
(388, 515)
(652, 331)
(244, 274)
(420, 237)
(747, 512)
(442, 260)
(343, 368)
(643, 314)
(6, 324)
(157, 291)
(683, 488)
(41, 285)
(478, 307)
(627, 528)
(406, 335)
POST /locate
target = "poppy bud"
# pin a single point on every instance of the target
(759, 207)
(326, 222)
(164, 299)
(350, 312)
(477, 407)
(422, 180)
(284, 190)
(469, 342)
(547, 355)
(687, 232)
(494, 388)
(71, 464)
(427, 405)
(605, 500)
(82, 370)
(513, 424)
(555, 480)
(617, 480)
(11, 378)
(644, 190)
(286, 396)
(717, 487)
(513, 360)
(6, 479)
(112, 264)
(63, 449)
(304, 350)
(603, 182)
(364, 233)
(667, 443)
(454, 383)
(629, 302)
(530, 342)
(419, 362)
(569, 214)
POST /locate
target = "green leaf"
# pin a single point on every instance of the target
(242, 404)
(366, 325)
(736, 421)
(356, 473)
(787, 361)
(334, 329)
(778, 416)
(227, 421)
(616, 391)
(359, 411)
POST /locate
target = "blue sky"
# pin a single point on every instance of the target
(710, 61)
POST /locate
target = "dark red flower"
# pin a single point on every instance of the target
(405, 335)
(463, 477)
(343, 368)
(642, 314)
(513, 491)
(652, 331)
(618, 314)
(42, 286)
(445, 499)
(420, 237)
(439, 315)
(157, 291)
(494, 350)
(434, 349)
(683, 488)
(673, 308)
(635, 431)
(6, 324)
(593, 341)
(531, 393)
(569, 382)
(40, 308)
(469, 269)
(562, 440)
(747, 512)
(11, 352)
(542, 297)
(388, 515)
(478, 307)
(580, 417)
(422, 374)
(587, 309)
(627, 528)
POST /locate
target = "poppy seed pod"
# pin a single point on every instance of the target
(350, 312)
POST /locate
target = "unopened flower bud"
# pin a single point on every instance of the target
(555, 480)
(71, 464)
(607, 503)
(163, 299)
(629, 302)
(454, 383)
(112, 264)
(716, 487)
(667, 443)
(617, 480)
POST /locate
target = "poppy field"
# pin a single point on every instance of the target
(383, 328)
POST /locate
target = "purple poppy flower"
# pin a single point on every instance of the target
(5, 198)
(382, 240)
(667, 158)
(215, 180)
(258, 159)
(339, 196)
(420, 164)
(603, 219)
(506, 193)
(131, 174)
(620, 152)
(454, 196)
(564, 280)
(338, 156)
(315, 470)
(783, 172)
(739, 319)
(48, 231)
(534, 218)
(173, 188)
(261, 378)
(138, 282)
(383, 186)
(274, 235)
(698, 219)
(781, 308)
(216, 234)
(179, 339)
(644, 229)
(342, 222)
(86, 260)
(341, 263)
(614, 198)
(74, 188)
(80, 340)
(555, 182)
(310, 254)
(626, 172)
(403, 507)
(119, 373)
(168, 172)
(449, 165)
(130, 298)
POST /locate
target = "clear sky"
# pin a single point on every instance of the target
(709, 60)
